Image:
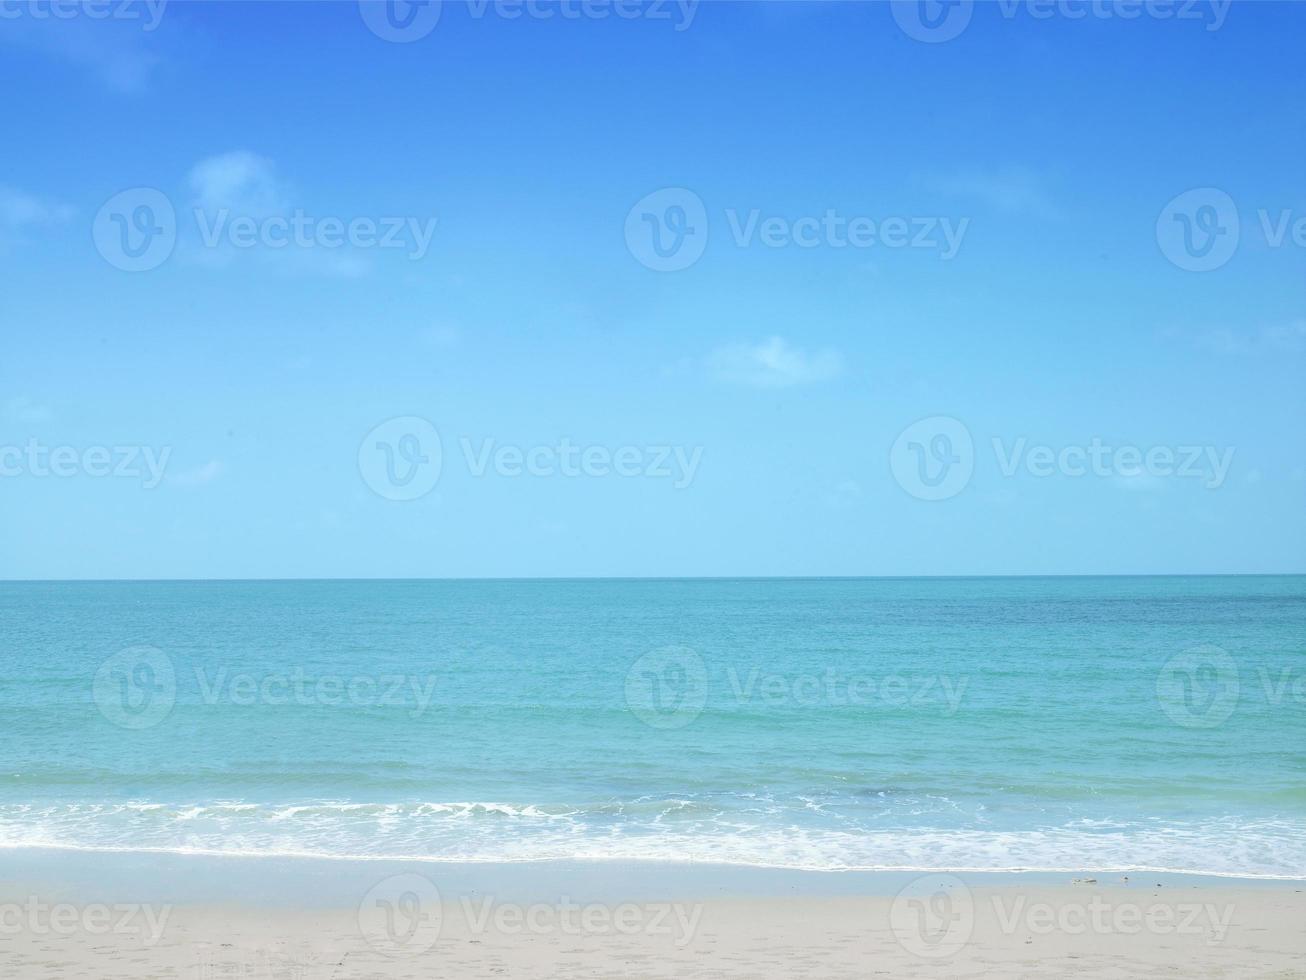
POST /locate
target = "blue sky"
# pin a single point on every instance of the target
(1021, 283)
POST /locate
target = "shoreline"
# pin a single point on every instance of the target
(438, 861)
(203, 877)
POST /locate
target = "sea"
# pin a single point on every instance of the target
(1085, 724)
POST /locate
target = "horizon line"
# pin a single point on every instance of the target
(651, 578)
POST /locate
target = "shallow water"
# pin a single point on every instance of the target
(1076, 723)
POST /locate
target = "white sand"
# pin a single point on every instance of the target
(1109, 930)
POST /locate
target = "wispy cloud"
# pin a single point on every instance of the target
(1281, 338)
(241, 184)
(1016, 190)
(843, 494)
(199, 475)
(117, 52)
(20, 211)
(23, 409)
(238, 181)
(1139, 482)
(773, 363)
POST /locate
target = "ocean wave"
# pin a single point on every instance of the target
(671, 829)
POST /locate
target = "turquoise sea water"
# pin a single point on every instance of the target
(1061, 723)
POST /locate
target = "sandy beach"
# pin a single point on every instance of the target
(684, 489)
(205, 919)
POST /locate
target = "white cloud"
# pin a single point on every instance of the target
(19, 210)
(241, 184)
(118, 52)
(773, 363)
(238, 181)
(199, 475)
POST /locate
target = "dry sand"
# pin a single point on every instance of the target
(938, 927)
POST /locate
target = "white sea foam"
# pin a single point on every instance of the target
(490, 831)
